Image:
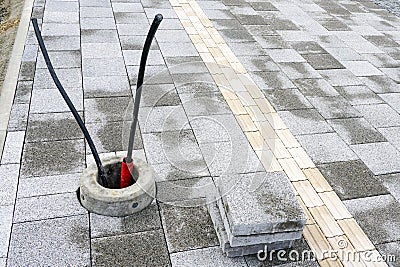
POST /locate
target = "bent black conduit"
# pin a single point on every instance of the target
(69, 103)
(154, 26)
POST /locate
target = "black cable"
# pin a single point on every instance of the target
(154, 26)
(69, 103)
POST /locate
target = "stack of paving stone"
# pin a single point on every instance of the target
(254, 211)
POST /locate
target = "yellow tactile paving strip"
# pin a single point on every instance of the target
(329, 226)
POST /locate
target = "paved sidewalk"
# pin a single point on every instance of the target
(330, 70)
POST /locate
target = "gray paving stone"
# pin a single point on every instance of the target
(218, 14)
(61, 29)
(287, 99)
(18, 117)
(326, 147)
(259, 63)
(179, 36)
(221, 24)
(392, 73)
(378, 216)
(361, 68)
(216, 128)
(60, 16)
(187, 228)
(3, 262)
(381, 158)
(49, 100)
(392, 184)
(146, 220)
(99, 36)
(132, 57)
(322, 61)
(158, 74)
(212, 5)
(285, 55)
(343, 53)
(95, 3)
(177, 148)
(30, 53)
(132, 29)
(9, 183)
(211, 256)
(381, 84)
(307, 47)
(55, 242)
(46, 185)
(95, 67)
(95, 12)
(272, 80)
(281, 213)
(182, 49)
(47, 207)
(13, 146)
(172, 172)
(5, 228)
(23, 92)
(333, 107)
(163, 118)
(352, 179)
(27, 71)
(391, 251)
(44, 158)
(356, 131)
(101, 50)
(191, 65)
(97, 24)
(393, 99)
(106, 86)
(392, 134)
(204, 104)
(108, 109)
(359, 95)
(135, 42)
(62, 7)
(382, 60)
(52, 127)
(127, 7)
(231, 35)
(335, 25)
(167, 12)
(340, 77)
(113, 136)
(247, 49)
(171, 24)
(305, 121)
(188, 192)
(160, 95)
(315, 87)
(298, 70)
(184, 80)
(69, 78)
(379, 115)
(221, 157)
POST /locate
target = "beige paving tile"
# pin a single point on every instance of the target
(256, 140)
(356, 235)
(228, 94)
(335, 205)
(307, 193)
(310, 219)
(268, 160)
(207, 57)
(316, 240)
(246, 98)
(278, 148)
(255, 113)
(236, 107)
(196, 39)
(246, 123)
(287, 138)
(237, 85)
(316, 179)
(332, 262)
(266, 130)
(376, 259)
(246, 80)
(346, 252)
(264, 105)
(275, 121)
(239, 69)
(254, 91)
(221, 80)
(325, 221)
(301, 157)
(213, 67)
(292, 170)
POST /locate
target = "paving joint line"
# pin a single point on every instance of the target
(317, 198)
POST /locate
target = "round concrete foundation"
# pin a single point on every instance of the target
(112, 201)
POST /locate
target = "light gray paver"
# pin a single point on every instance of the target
(379, 115)
(13, 147)
(5, 228)
(381, 158)
(305, 121)
(9, 181)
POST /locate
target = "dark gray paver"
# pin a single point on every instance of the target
(315, 87)
(108, 109)
(356, 131)
(287, 99)
(378, 216)
(55, 242)
(317, 146)
(299, 70)
(124, 250)
(106, 86)
(146, 220)
(203, 104)
(52, 127)
(381, 84)
(351, 179)
(53, 158)
(391, 251)
(305, 121)
(18, 117)
(272, 80)
(381, 158)
(160, 95)
(323, 61)
(187, 228)
(359, 95)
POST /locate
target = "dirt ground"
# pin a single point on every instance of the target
(10, 12)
